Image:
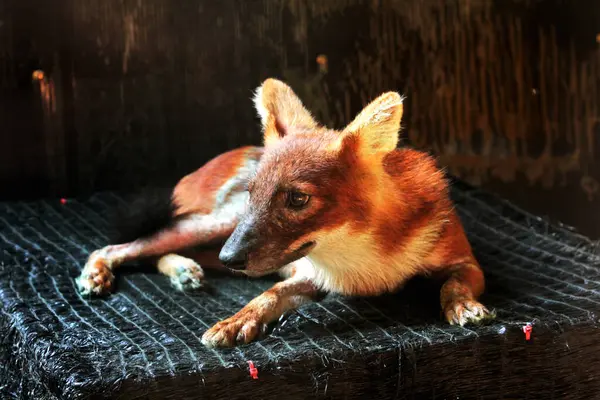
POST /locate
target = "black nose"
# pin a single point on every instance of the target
(231, 259)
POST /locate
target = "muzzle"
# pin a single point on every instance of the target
(234, 253)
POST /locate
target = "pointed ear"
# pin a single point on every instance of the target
(375, 128)
(281, 112)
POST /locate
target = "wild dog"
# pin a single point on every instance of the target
(332, 211)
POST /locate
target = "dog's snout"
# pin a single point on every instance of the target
(233, 259)
(234, 253)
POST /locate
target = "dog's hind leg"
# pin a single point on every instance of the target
(195, 230)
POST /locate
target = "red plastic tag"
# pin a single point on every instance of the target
(527, 330)
(253, 370)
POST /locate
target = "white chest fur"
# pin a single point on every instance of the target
(354, 264)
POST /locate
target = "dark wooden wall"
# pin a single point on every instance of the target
(131, 92)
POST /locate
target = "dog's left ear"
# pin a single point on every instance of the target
(375, 129)
(281, 112)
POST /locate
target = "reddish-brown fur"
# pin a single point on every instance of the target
(195, 193)
(375, 217)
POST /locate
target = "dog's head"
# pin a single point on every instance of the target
(311, 180)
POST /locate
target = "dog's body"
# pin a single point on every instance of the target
(344, 212)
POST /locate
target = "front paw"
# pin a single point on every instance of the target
(466, 311)
(242, 328)
(96, 277)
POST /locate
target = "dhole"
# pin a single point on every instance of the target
(333, 211)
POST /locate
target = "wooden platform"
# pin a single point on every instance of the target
(144, 340)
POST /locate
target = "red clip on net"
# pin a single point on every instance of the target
(527, 330)
(253, 370)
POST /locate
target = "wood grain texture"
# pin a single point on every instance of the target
(506, 93)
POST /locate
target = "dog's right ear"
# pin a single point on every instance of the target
(281, 112)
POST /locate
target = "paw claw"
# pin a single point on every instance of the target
(241, 337)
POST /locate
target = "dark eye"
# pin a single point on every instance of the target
(297, 199)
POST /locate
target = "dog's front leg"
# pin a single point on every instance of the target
(97, 274)
(251, 321)
(464, 284)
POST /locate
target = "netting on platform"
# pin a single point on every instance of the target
(144, 340)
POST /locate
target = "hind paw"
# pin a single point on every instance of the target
(96, 277)
(188, 277)
(184, 272)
